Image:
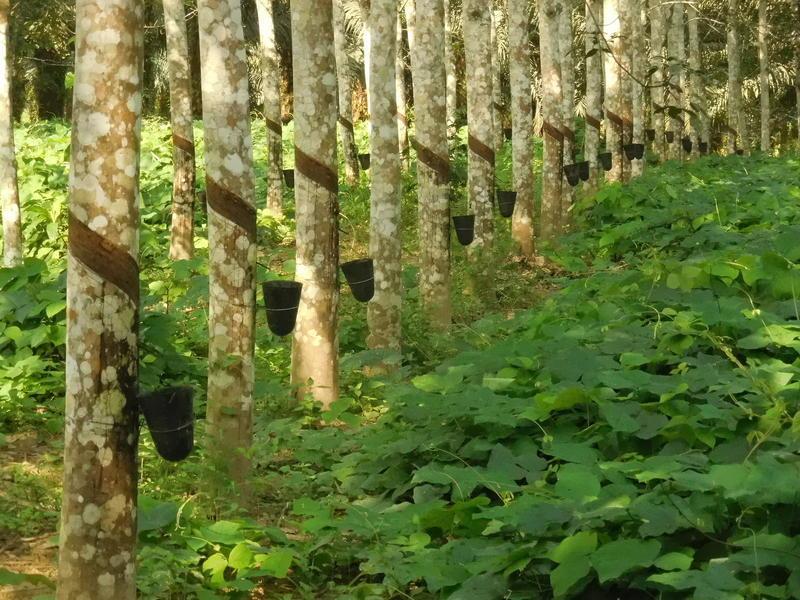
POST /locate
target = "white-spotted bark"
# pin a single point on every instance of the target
(180, 103)
(676, 46)
(613, 101)
(497, 71)
(315, 362)
(552, 178)
(400, 90)
(271, 91)
(432, 163)
(478, 50)
(763, 72)
(344, 81)
(383, 312)
(97, 539)
(567, 103)
(697, 80)
(9, 191)
(522, 123)
(451, 71)
(593, 46)
(658, 34)
(230, 193)
(737, 123)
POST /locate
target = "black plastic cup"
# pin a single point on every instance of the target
(584, 170)
(703, 147)
(573, 173)
(670, 137)
(651, 134)
(364, 161)
(169, 414)
(465, 229)
(508, 133)
(282, 299)
(740, 152)
(360, 275)
(506, 200)
(686, 142)
(288, 178)
(634, 151)
(605, 160)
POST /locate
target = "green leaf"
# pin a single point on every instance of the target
(577, 482)
(674, 561)
(241, 556)
(568, 573)
(580, 544)
(615, 558)
(276, 563)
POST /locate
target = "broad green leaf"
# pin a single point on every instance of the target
(615, 558)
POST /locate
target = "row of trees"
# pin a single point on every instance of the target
(636, 79)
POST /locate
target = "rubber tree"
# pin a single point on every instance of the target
(230, 191)
(9, 191)
(478, 50)
(364, 6)
(433, 163)
(634, 75)
(344, 82)
(271, 91)
(676, 48)
(97, 538)
(522, 123)
(697, 80)
(613, 99)
(400, 88)
(451, 71)
(383, 312)
(593, 47)
(736, 117)
(566, 57)
(553, 138)
(658, 33)
(315, 345)
(497, 14)
(763, 72)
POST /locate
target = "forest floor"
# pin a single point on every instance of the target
(624, 423)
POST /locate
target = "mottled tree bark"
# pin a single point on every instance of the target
(478, 50)
(657, 61)
(451, 71)
(97, 540)
(367, 39)
(400, 89)
(180, 93)
(345, 88)
(613, 102)
(9, 191)
(497, 68)
(522, 120)
(552, 116)
(230, 192)
(736, 116)
(676, 44)
(410, 9)
(697, 85)
(797, 69)
(634, 73)
(567, 104)
(433, 164)
(315, 362)
(271, 90)
(593, 46)
(383, 312)
(763, 73)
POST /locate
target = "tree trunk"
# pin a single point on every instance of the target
(797, 69)
(633, 73)
(271, 89)
(367, 36)
(677, 53)
(613, 96)
(9, 191)
(697, 85)
(433, 164)
(567, 104)
(232, 245)
(97, 541)
(315, 363)
(478, 50)
(736, 117)
(345, 89)
(593, 46)
(180, 103)
(522, 120)
(552, 161)
(497, 69)
(451, 72)
(383, 312)
(400, 90)
(763, 75)
(657, 61)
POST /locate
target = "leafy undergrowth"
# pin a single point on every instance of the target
(635, 436)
